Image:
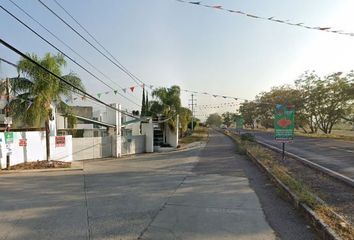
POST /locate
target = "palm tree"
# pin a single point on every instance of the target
(167, 104)
(38, 91)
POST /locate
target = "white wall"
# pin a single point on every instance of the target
(92, 147)
(133, 145)
(35, 149)
(148, 131)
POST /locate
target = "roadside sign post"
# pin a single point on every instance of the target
(239, 123)
(9, 139)
(284, 124)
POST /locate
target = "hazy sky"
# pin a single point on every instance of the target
(165, 42)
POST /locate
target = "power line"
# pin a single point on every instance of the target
(60, 78)
(74, 61)
(61, 41)
(79, 94)
(87, 41)
(105, 49)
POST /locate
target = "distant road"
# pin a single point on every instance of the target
(337, 155)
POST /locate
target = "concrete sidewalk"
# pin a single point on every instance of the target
(192, 194)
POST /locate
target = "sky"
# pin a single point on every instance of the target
(165, 42)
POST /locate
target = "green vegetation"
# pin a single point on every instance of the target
(38, 92)
(320, 102)
(214, 120)
(199, 134)
(295, 185)
(167, 105)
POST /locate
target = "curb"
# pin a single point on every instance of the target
(323, 230)
(315, 166)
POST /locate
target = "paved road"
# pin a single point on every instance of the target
(193, 194)
(337, 155)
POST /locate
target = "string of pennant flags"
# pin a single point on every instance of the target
(222, 105)
(271, 18)
(152, 87)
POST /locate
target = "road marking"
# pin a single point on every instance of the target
(350, 151)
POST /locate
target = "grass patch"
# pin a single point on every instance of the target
(199, 134)
(342, 228)
(41, 165)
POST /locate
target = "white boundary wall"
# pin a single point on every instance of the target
(35, 149)
(92, 147)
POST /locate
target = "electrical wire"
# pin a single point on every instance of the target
(23, 55)
(78, 94)
(95, 39)
(66, 55)
(87, 41)
(65, 44)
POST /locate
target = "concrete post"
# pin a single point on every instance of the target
(117, 151)
(148, 131)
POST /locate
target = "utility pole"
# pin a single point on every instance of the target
(7, 109)
(192, 104)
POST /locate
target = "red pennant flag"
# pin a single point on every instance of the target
(132, 89)
(217, 7)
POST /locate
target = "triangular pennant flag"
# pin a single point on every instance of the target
(151, 86)
(98, 95)
(124, 90)
(217, 7)
(106, 92)
(132, 89)
(215, 95)
(83, 97)
(115, 92)
(196, 3)
(205, 93)
(236, 99)
(224, 96)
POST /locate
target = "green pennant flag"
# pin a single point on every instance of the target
(115, 92)
(98, 95)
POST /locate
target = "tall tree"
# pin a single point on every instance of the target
(185, 117)
(39, 91)
(228, 118)
(147, 105)
(327, 99)
(167, 104)
(214, 120)
(143, 104)
(249, 113)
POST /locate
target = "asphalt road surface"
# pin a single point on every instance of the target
(202, 193)
(337, 155)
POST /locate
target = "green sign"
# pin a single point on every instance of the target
(284, 123)
(239, 122)
(9, 137)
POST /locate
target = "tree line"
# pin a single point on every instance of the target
(320, 102)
